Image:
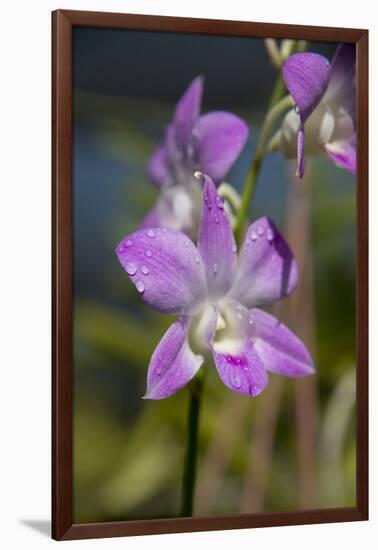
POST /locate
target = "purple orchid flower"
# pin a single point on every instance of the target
(216, 295)
(324, 94)
(210, 143)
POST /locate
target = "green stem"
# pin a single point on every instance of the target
(190, 466)
(283, 105)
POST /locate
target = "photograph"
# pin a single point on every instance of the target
(213, 273)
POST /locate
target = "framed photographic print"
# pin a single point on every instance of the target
(210, 274)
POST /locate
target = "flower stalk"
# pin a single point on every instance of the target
(190, 467)
(282, 106)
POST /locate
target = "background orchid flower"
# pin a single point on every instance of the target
(323, 121)
(210, 143)
(216, 295)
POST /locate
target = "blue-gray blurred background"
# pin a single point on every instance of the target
(294, 446)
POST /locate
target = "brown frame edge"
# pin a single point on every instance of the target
(62, 517)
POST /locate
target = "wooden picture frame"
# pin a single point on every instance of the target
(63, 22)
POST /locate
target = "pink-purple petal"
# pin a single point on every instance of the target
(216, 242)
(151, 219)
(188, 109)
(267, 268)
(341, 86)
(166, 269)
(219, 138)
(158, 166)
(173, 364)
(306, 76)
(241, 370)
(279, 349)
(343, 154)
(300, 151)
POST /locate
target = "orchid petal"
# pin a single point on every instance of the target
(236, 360)
(188, 109)
(216, 242)
(300, 151)
(267, 268)
(158, 166)
(173, 364)
(166, 269)
(280, 351)
(342, 81)
(151, 219)
(241, 370)
(306, 76)
(343, 154)
(219, 139)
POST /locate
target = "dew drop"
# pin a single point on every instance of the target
(158, 371)
(131, 268)
(215, 268)
(216, 218)
(253, 235)
(219, 201)
(150, 233)
(234, 248)
(128, 243)
(269, 235)
(236, 380)
(253, 390)
(148, 253)
(140, 286)
(260, 230)
(144, 269)
(186, 243)
(196, 258)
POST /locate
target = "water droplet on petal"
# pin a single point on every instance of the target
(215, 268)
(253, 390)
(236, 379)
(234, 248)
(219, 201)
(148, 253)
(186, 243)
(196, 258)
(131, 268)
(253, 235)
(158, 371)
(128, 243)
(144, 269)
(269, 235)
(140, 286)
(216, 218)
(150, 233)
(260, 230)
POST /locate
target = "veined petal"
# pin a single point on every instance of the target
(267, 268)
(166, 269)
(158, 166)
(242, 370)
(173, 364)
(306, 76)
(343, 154)
(219, 138)
(188, 109)
(279, 349)
(216, 242)
(235, 357)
